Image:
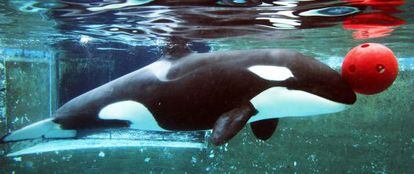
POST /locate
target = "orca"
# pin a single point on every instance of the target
(222, 91)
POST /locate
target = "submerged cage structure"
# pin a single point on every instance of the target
(34, 83)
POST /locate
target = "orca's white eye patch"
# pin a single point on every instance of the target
(274, 73)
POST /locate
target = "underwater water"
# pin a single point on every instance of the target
(54, 50)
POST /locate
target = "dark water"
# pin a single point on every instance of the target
(52, 51)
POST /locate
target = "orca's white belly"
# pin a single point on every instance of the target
(278, 102)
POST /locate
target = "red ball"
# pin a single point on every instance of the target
(370, 68)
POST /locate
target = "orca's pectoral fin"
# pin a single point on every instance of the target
(264, 129)
(230, 123)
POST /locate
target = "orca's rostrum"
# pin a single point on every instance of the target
(222, 91)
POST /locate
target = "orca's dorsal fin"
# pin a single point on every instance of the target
(230, 123)
(264, 129)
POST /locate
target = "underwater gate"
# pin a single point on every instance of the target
(34, 83)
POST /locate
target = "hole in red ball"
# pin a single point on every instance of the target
(352, 68)
(380, 68)
(364, 45)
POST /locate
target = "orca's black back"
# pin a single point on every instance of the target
(196, 100)
(199, 88)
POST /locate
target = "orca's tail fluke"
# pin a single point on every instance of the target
(42, 129)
